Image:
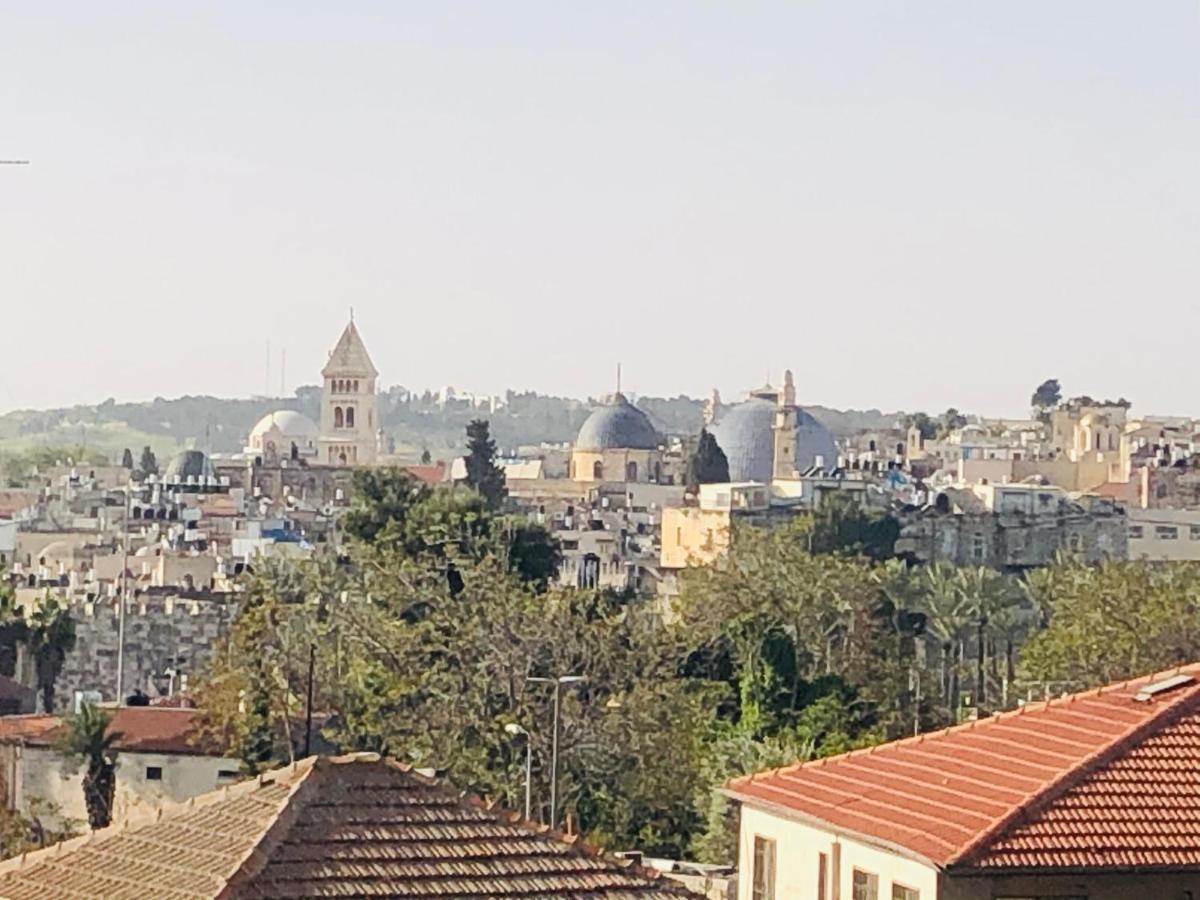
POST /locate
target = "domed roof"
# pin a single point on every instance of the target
(744, 432)
(289, 422)
(618, 425)
(188, 464)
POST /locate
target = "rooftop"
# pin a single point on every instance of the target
(347, 826)
(144, 729)
(1104, 779)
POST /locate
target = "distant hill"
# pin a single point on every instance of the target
(413, 422)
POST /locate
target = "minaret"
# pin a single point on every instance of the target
(349, 414)
(712, 408)
(784, 430)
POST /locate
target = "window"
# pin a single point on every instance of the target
(1135, 532)
(228, 774)
(154, 773)
(900, 892)
(338, 420)
(763, 885)
(1194, 532)
(631, 471)
(1166, 532)
(866, 885)
(978, 547)
(597, 471)
(349, 416)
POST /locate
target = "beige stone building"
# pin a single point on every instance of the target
(617, 442)
(349, 413)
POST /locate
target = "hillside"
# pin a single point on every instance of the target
(413, 422)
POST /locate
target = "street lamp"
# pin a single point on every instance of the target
(558, 683)
(516, 730)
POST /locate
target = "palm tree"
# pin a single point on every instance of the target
(51, 637)
(948, 614)
(89, 739)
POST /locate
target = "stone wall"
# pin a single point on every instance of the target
(160, 633)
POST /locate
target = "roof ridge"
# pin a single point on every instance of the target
(1120, 744)
(1036, 706)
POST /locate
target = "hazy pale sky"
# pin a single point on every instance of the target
(911, 204)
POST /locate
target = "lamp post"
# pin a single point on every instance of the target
(516, 730)
(558, 683)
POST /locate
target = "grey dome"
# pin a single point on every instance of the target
(619, 425)
(744, 433)
(188, 464)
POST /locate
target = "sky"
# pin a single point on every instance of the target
(913, 205)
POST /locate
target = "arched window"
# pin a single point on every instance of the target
(339, 420)
(631, 471)
(355, 386)
(658, 472)
(598, 471)
(349, 416)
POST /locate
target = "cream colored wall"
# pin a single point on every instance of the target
(43, 773)
(797, 849)
(1149, 546)
(31, 543)
(1070, 476)
(693, 537)
(583, 464)
(993, 471)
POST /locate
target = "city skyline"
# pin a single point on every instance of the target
(912, 208)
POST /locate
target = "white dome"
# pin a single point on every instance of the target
(290, 426)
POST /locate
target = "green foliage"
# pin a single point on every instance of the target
(40, 825)
(707, 463)
(149, 462)
(925, 425)
(1112, 621)
(844, 526)
(382, 500)
(534, 554)
(89, 739)
(13, 629)
(127, 459)
(51, 637)
(482, 472)
(1047, 396)
(949, 421)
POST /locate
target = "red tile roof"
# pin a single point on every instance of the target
(1100, 779)
(144, 729)
(350, 827)
(430, 473)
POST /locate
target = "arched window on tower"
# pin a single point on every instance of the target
(349, 416)
(355, 386)
(631, 471)
(598, 471)
(339, 420)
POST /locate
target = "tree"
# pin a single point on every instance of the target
(951, 420)
(13, 629)
(482, 472)
(127, 459)
(426, 458)
(534, 554)
(1046, 397)
(89, 739)
(842, 525)
(382, 500)
(149, 462)
(707, 464)
(924, 424)
(51, 637)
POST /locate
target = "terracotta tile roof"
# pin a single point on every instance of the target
(352, 826)
(430, 473)
(1100, 779)
(144, 729)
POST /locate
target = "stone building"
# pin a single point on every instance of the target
(349, 414)
(1013, 527)
(617, 442)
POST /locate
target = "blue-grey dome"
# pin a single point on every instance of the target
(618, 425)
(188, 464)
(744, 432)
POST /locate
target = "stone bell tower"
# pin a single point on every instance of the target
(349, 414)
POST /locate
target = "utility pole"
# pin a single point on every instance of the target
(514, 729)
(558, 683)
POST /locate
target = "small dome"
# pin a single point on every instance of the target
(618, 425)
(290, 423)
(188, 464)
(745, 433)
(57, 551)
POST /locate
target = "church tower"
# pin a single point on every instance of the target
(349, 417)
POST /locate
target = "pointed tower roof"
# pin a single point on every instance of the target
(350, 356)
